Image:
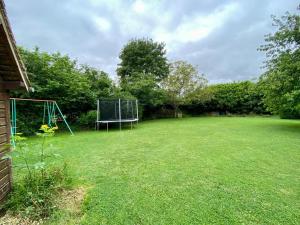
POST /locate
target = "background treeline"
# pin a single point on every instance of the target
(164, 88)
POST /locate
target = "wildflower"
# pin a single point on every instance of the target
(44, 127)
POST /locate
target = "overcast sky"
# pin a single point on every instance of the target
(221, 37)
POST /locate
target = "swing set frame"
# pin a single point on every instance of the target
(50, 108)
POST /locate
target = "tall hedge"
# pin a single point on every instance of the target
(237, 98)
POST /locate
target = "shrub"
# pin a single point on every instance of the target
(238, 98)
(33, 196)
(88, 119)
(34, 193)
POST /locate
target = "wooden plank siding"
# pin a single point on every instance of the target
(3, 129)
(5, 164)
(2, 104)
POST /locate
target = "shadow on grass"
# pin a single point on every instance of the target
(286, 126)
(116, 127)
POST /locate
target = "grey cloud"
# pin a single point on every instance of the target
(228, 53)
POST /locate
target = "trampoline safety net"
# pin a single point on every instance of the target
(117, 110)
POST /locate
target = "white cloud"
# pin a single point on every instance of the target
(139, 7)
(102, 24)
(196, 28)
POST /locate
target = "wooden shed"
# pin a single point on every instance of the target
(12, 76)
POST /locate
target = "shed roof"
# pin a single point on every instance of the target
(12, 70)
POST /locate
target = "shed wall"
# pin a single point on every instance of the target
(5, 164)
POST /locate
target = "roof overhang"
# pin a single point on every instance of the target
(12, 69)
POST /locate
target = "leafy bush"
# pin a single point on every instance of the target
(34, 193)
(238, 98)
(33, 196)
(58, 77)
(88, 119)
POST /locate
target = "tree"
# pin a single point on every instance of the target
(143, 56)
(183, 80)
(145, 88)
(143, 65)
(55, 76)
(102, 85)
(281, 82)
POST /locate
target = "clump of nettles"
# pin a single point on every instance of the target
(40, 179)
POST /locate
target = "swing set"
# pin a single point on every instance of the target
(51, 115)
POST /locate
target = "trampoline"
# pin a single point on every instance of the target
(117, 111)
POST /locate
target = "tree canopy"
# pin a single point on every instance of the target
(143, 56)
(281, 82)
(57, 77)
(183, 80)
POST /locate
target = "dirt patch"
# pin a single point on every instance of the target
(8, 219)
(71, 200)
(68, 201)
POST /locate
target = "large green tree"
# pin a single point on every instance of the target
(183, 80)
(281, 82)
(56, 76)
(143, 56)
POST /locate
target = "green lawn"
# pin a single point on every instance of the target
(206, 170)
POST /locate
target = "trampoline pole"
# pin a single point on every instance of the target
(120, 117)
(97, 126)
(137, 111)
(132, 115)
(97, 110)
(107, 127)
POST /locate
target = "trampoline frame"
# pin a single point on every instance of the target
(120, 120)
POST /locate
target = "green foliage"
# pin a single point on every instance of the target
(34, 197)
(183, 80)
(143, 56)
(143, 65)
(281, 83)
(281, 86)
(57, 77)
(145, 88)
(29, 119)
(101, 85)
(238, 97)
(35, 191)
(88, 119)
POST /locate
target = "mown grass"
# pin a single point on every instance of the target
(205, 170)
